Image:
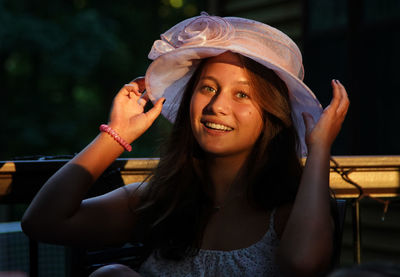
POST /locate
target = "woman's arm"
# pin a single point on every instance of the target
(57, 214)
(307, 241)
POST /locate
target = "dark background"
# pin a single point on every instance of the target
(61, 63)
(358, 42)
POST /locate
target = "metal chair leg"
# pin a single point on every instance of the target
(356, 230)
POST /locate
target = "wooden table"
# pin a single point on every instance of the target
(377, 176)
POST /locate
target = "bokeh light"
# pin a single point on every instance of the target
(176, 3)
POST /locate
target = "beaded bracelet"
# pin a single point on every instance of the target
(115, 136)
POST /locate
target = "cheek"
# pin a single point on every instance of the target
(192, 112)
(251, 116)
(196, 108)
(252, 123)
(197, 104)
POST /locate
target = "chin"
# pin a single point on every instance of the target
(213, 148)
(218, 152)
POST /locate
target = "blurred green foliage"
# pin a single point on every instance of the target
(61, 63)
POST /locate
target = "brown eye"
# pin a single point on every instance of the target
(241, 95)
(209, 89)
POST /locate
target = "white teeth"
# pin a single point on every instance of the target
(218, 126)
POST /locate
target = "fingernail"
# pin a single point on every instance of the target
(338, 81)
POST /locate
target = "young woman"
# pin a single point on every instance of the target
(229, 196)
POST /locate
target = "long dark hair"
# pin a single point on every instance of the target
(178, 200)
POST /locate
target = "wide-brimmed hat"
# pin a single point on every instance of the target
(181, 48)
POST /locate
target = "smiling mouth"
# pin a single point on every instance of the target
(216, 126)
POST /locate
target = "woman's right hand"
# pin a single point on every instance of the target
(127, 116)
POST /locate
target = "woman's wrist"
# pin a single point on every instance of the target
(116, 136)
(318, 150)
(124, 130)
(99, 154)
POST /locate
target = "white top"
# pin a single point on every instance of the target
(255, 260)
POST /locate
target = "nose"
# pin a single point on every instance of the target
(219, 104)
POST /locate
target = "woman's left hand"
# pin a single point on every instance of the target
(324, 132)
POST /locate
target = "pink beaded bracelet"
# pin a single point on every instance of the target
(115, 136)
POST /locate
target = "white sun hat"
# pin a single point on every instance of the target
(176, 56)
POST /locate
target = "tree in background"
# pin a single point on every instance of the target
(62, 62)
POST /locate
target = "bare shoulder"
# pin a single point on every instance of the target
(282, 214)
(135, 188)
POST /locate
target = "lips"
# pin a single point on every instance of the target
(217, 126)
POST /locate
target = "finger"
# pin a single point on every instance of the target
(131, 89)
(308, 122)
(140, 81)
(135, 87)
(154, 112)
(345, 102)
(336, 95)
(144, 98)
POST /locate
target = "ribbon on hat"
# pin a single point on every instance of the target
(205, 29)
(160, 47)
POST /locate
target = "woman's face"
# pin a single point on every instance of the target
(224, 117)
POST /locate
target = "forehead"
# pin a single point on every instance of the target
(226, 58)
(227, 65)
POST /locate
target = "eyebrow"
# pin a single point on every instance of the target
(243, 82)
(216, 81)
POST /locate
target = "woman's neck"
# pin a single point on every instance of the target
(223, 172)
